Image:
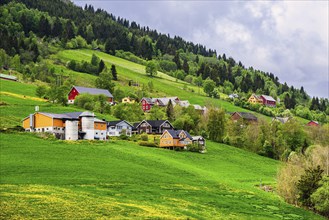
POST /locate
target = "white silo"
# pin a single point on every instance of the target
(71, 130)
(87, 125)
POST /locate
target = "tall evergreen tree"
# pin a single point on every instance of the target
(176, 59)
(57, 28)
(101, 66)
(114, 72)
(44, 26)
(170, 111)
(186, 67)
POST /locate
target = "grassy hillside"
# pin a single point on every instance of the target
(86, 180)
(164, 85)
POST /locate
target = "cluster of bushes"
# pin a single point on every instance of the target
(304, 179)
(95, 66)
(97, 103)
(130, 56)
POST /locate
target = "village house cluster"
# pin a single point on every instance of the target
(85, 125)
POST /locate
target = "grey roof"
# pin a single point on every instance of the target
(5, 76)
(114, 123)
(246, 115)
(148, 100)
(153, 123)
(165, 100)
(93, 91)
(99, 120)
(282, 120)
(69, 115)
(175, 134)
(184, 103)
(195, 138)
(268, 98)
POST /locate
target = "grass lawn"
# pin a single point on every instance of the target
(121, 180)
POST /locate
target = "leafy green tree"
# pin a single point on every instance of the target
(157, 113)
(151, 68)
(94, 60)
(184, 122)
(89, 33)
(216, 124)
(308, 184)
(119, 94)
(41, 91)
(104, 81)
(208, 86)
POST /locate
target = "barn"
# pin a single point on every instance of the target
(76, 90)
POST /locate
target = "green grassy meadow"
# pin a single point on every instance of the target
(46, 178)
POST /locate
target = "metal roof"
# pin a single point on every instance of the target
(114, 123)
(268, 98)
(175, 133)
(5, 76)
(93, 91)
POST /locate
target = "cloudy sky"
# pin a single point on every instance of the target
(287, 38)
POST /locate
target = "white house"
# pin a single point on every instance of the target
(116, 128)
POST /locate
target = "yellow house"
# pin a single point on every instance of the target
(255, 99)
(128, 100)
(172, 138)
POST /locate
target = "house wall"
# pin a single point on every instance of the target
(100, 134)
(167, 140)
(117, 130)
(254, 100)
(100, 126)
(42, 121)
(145, 106)
(72, 94)
(235, 117)
(26, 123)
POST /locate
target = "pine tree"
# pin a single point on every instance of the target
(186, 67)
(57, 28)
(177, 61)
(308, 183)
(101, 66)
(44, 26)
(114, 72)
(170, 111)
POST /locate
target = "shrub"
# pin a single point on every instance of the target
(144, 137)
(123, 137)
(147, 144)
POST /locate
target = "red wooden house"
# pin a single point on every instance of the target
(76, 90)
(313, 123)
(268, 100)
(147, 103)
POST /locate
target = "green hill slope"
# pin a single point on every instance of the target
(164, 85)
(87, 180)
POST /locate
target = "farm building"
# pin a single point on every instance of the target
(173, 138)
(313, 124)
(245, 116)
(263, 100)
(8, 77)
(147, 103)
(255, 99)
(76, 90)
(268, 100)
(153, 126)
(67, 126)
(199, 141)
(116, 128)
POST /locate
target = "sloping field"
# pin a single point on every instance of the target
(164, 84)
(121, 180)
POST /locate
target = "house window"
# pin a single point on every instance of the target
(96, 132)
(119, 127)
